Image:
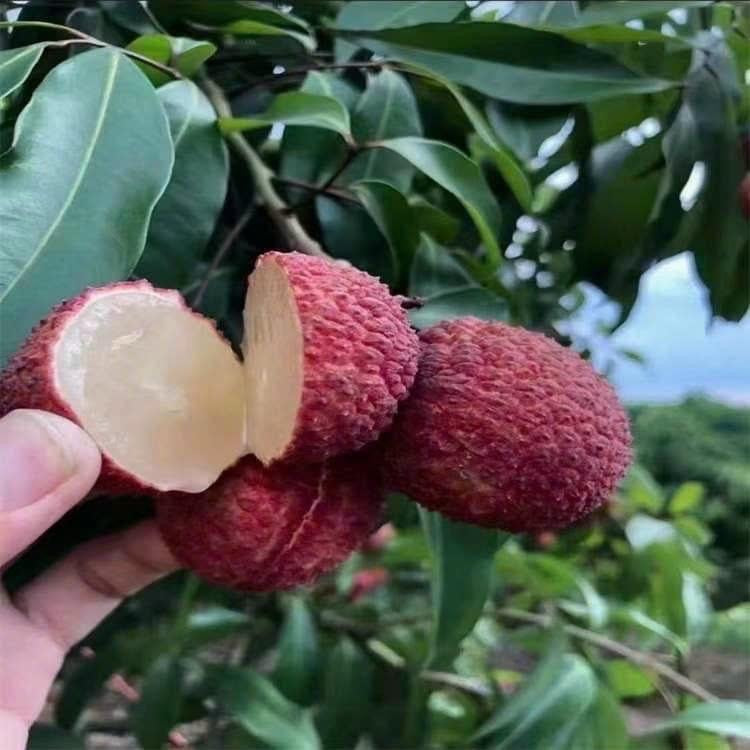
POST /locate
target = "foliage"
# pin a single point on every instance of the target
(484, 160)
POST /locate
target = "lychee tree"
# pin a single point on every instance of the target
(480, 159)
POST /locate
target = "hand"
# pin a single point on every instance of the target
(47, 465)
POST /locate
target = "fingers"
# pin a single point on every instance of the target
(47, 464)
(70, 598)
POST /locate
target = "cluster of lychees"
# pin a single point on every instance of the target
(337, 400)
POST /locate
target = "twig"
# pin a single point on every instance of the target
(465, 684)
(332, 191)
(289, 226)
(83, 38)
(221, 253)
(607, 644)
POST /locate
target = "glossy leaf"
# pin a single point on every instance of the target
(256, 28)
(510, 62)
(184, 218)
(434, 221)
(388, 14)
(435, 271)
(218, 12)
(459, 175)
(91, 155)
(730, 718)
(462, 562)
(295, 108)
(158, 708)
(16, 66)
(50, 737)
(190, 54)
(347, 702)
(157, 48)
(254, 703)
(476, 301)
(619, 11)
(211, 624)
(295, 674)
(392, 215)
(547, 710)
(386, 109)
(628, 680)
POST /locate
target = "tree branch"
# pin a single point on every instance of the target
(607, 644)
(332, 191)
(289, 226)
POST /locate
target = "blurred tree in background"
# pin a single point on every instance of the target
(486, 157)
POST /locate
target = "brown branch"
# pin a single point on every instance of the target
(607, 644)
(332, 191)
(221, 253)
(289, 226)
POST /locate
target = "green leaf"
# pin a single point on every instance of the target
(212, 624)
(643, 531)
(91, 155)
(687, 497)
(501, 156)
(435, 271)
(189, 54)
(16, 66)
(388, 14)
(628, 680)
(459, 175)
(643, 493)
(547, 710)
(619, 11)
(510, 62)
(386, 109)
(184, 218)
(218, 12)
(392, 214)
(634, 616)
(156, 47)
(602, 726)
(434, 221)
(730, 718)
(49, 737)
(295, 674)
(158, 708)
(476, 301)
(255, 28)
(295, 108)
(462, 562)
(524, 129)
(254, 703)
(347, 703)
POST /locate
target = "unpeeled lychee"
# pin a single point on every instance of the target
(152, 382)
(329, 354)
(263, 529)
(507, 429)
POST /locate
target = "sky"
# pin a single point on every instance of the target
(670, 326)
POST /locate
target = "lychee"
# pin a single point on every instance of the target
(329, 354)
(262, 529)
(505, 428)
(152, 382)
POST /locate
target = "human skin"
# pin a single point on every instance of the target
(47, 465)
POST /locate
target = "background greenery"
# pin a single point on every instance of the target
(486, 159)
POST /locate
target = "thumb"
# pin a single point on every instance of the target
(47, 464)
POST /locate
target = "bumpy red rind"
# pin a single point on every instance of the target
(28, 381)
(507, 429)
(360, 356)
(265, 529)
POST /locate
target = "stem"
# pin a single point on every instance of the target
(351, 151)
(224, 248)
(332, 191)
(607, 644)
(82, 38)
(288, 225)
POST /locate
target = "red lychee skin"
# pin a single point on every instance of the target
(28, 380)
(264, 529)
(366, 581)
(506, 429)
(360, 356)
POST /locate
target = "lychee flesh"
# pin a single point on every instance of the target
(153, 383)
(263, 529)
(329, 355)
(507, 429)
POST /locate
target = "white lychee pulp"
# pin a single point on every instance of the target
(155, 386)
(274, 362)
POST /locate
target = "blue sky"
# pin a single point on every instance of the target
(670, 326)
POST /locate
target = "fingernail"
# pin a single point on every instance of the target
(35, 457)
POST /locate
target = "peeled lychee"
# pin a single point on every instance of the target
(507, 429)
(262, 529)
(329, 354)
(152, 382)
